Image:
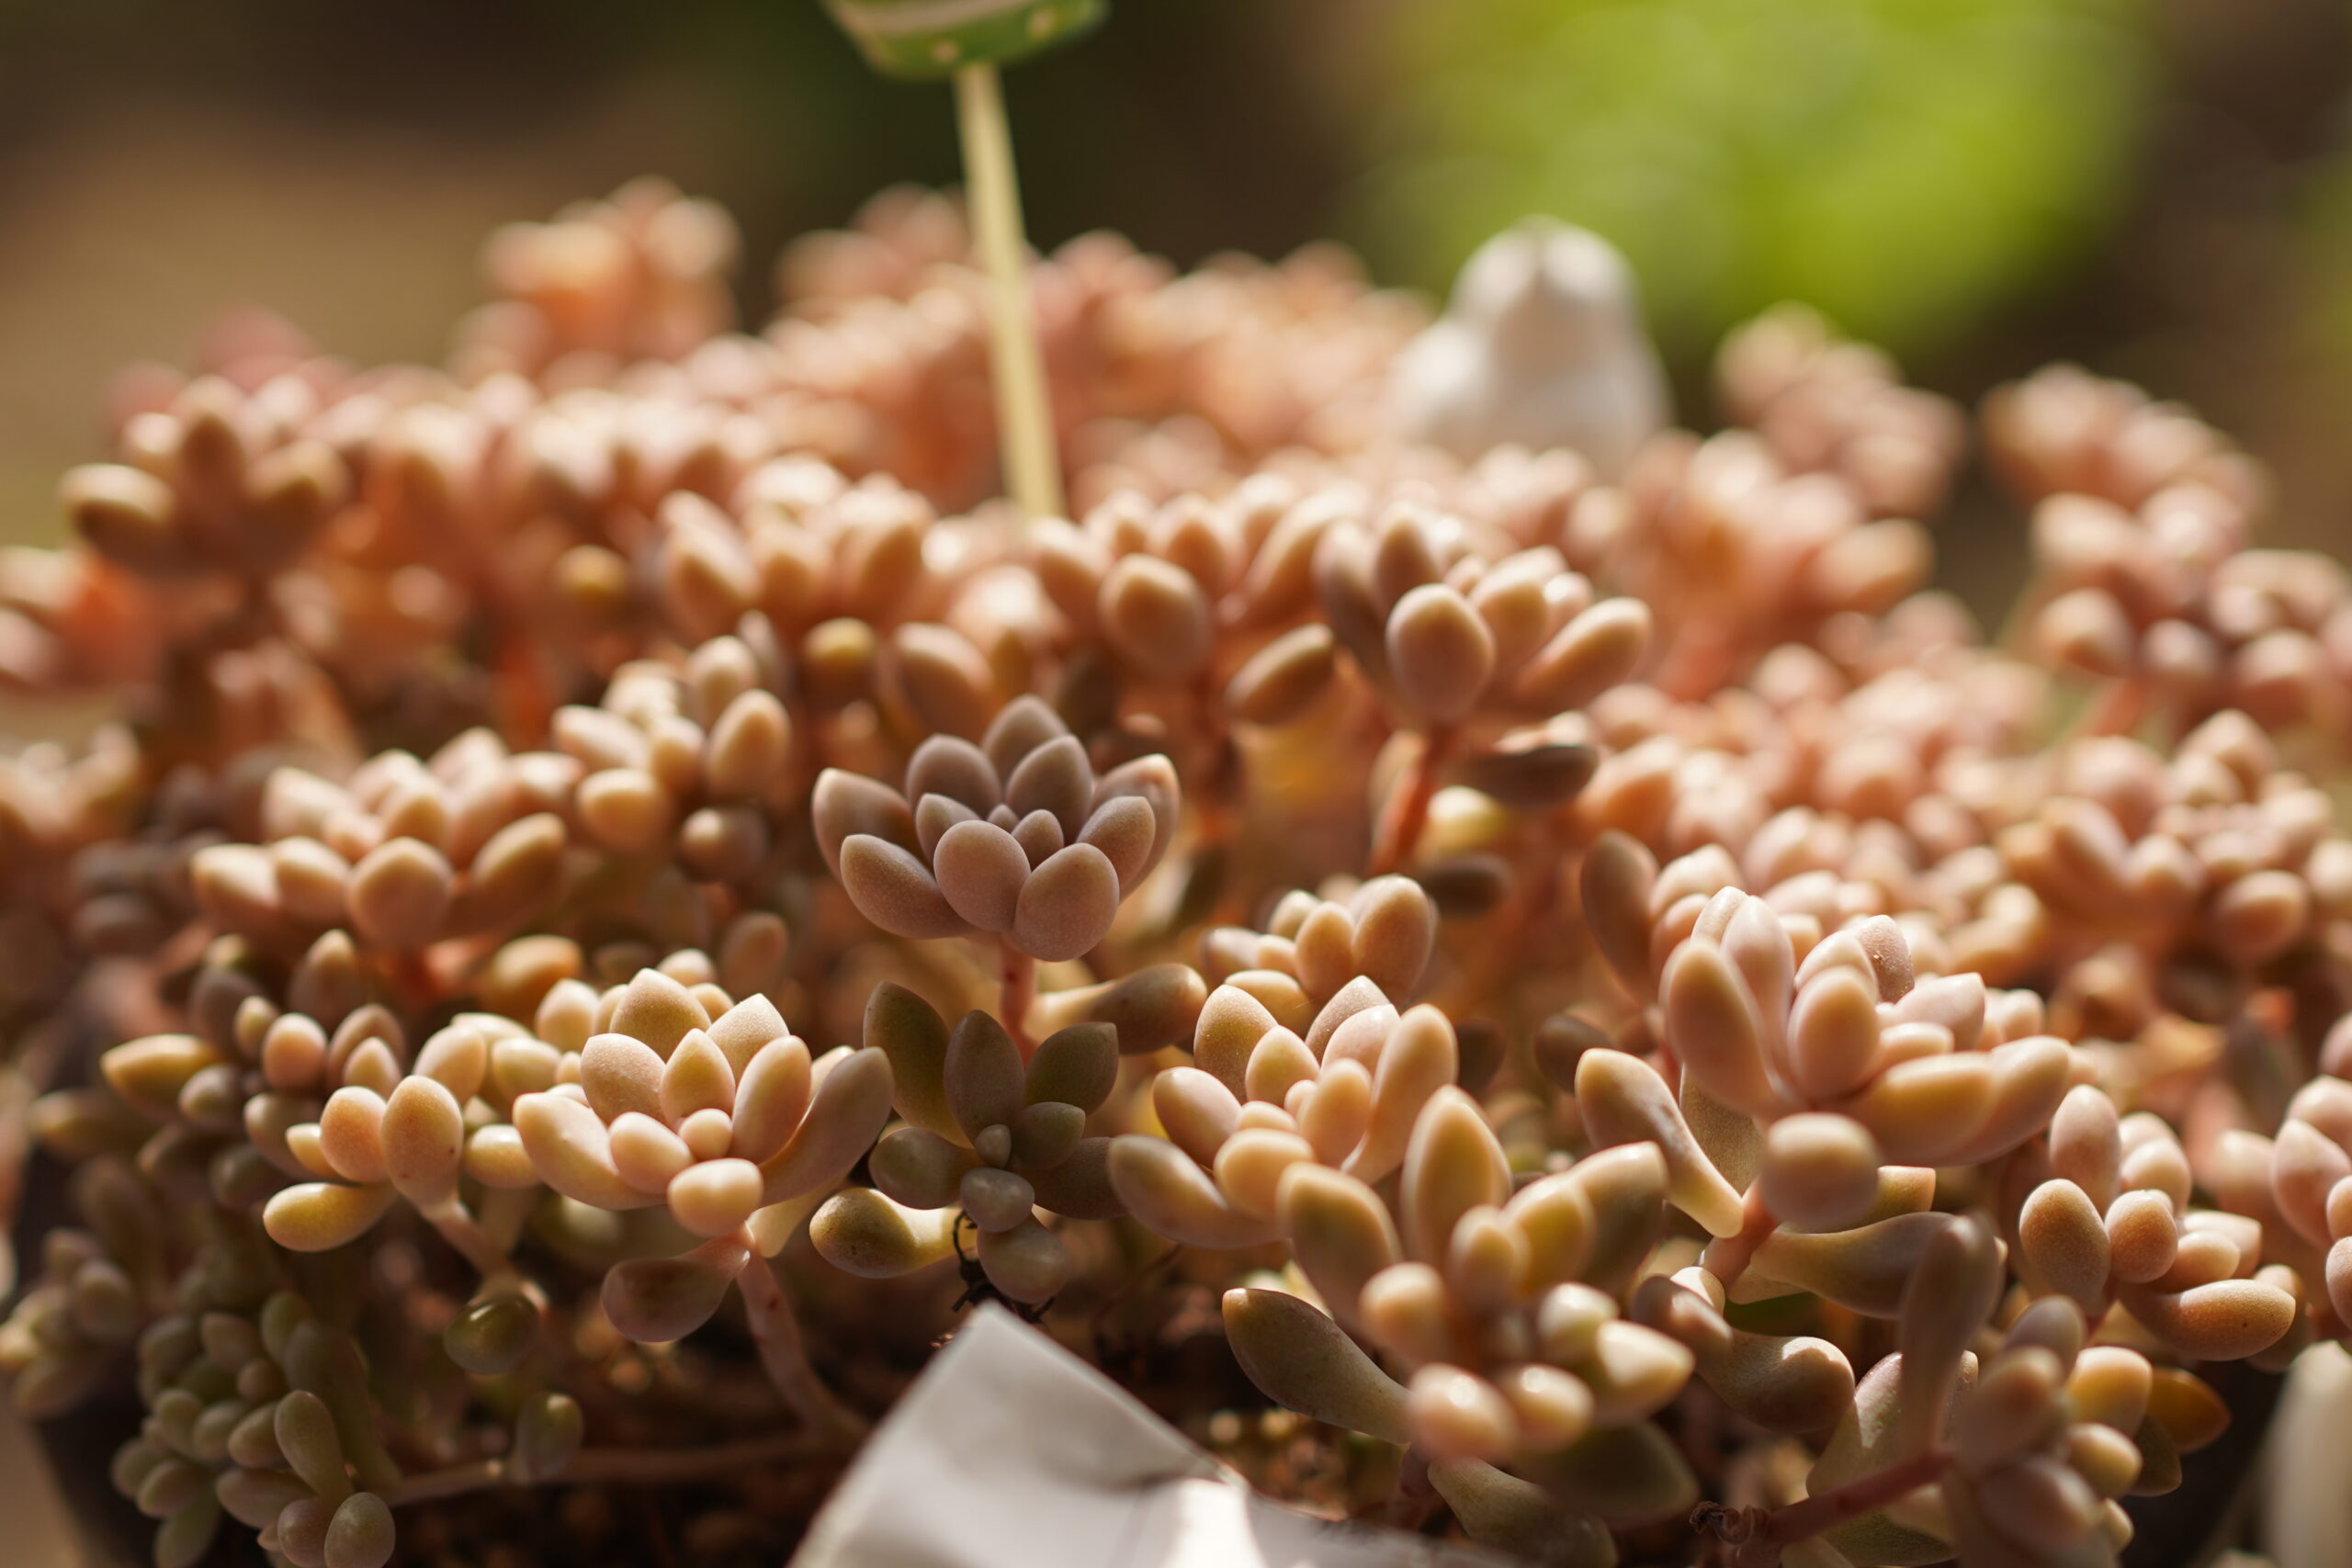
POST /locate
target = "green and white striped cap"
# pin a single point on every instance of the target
(923, 39)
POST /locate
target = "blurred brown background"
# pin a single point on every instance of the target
(2161, 188)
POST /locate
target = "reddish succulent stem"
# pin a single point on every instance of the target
(1220, 793)
(1757, 1536)
(1017, 974)
(412, 974)
(777, 1333)
(525, 691)
(1726, 1257)
(1407, 811)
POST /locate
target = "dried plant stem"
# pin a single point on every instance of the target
(606, 1467)
(1758, 1536)
(1017, 364)
(1017, 973)
(776, 1331)
(1407, 810)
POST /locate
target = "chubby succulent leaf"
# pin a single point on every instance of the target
(1302, 1359)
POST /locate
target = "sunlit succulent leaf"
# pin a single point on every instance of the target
(862, 1232)
(1174, 1197)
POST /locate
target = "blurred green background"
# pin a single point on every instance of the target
(2160, 188)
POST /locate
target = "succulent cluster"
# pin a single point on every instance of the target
(1636, 1020)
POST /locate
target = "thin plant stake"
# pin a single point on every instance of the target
(1024, 418)
(969, 42)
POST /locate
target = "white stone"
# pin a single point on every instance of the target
(1541, 346)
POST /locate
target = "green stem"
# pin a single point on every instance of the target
(1024, 415)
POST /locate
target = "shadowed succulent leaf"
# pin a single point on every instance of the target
(621, 1073)
(1302, 1359)
(918, 1167)
(982, 1075)
(1074, 1066)
(492, 1334)
(1152, 1008)
(151, 1073)
(910, 1032)
(714, 1197)
(1633, 1372)
(655, 1299)
(1615, 884)
(1067, 906)
(1500, 1510)
(307, 1437)
(981, 870)
(1078, 1185)
(1625, 1191)
(1026, 1261)
(2063, 1246)
(894, 889)
(1623, 1475)
(1250, 1167)
(1196, 1111)
(1865, 1271)
(1927, 1109)
(1281, 678)
(1795, 1384)
(845, 805)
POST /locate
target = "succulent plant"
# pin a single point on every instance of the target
(982, 1130)
(1657, 1034)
